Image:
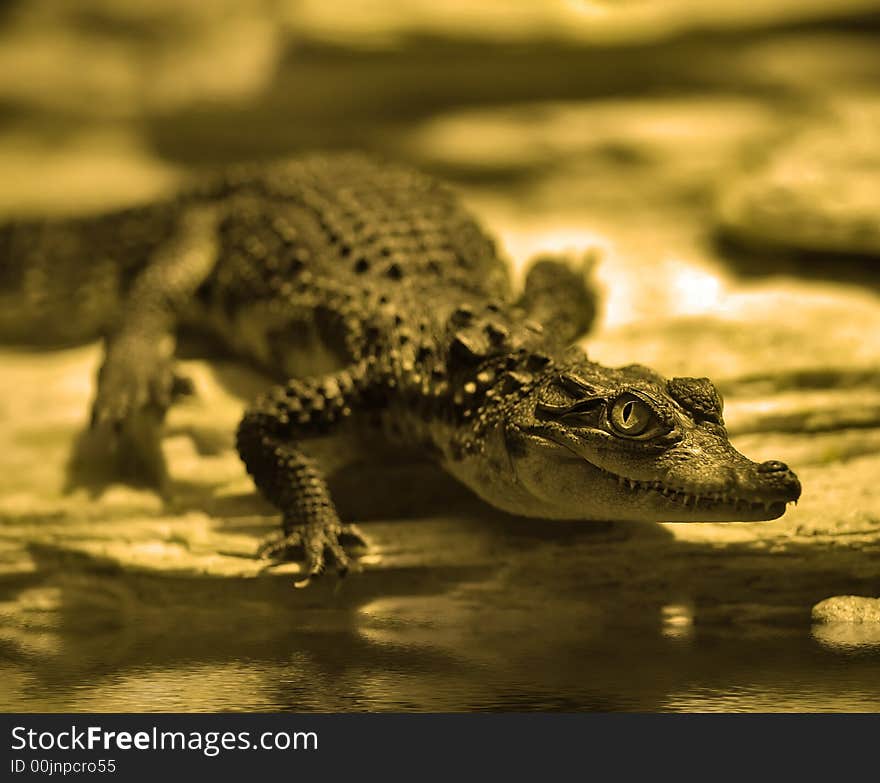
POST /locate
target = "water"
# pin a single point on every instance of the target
(444, 652)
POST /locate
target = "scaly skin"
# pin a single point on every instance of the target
(376, 293)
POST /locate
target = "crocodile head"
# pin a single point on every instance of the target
(588, 442)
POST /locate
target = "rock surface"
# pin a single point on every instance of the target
(818, 192)
(847, 609)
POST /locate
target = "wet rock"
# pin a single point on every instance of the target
(86, 172)
(848, 609)
(818, 192)
(73, 57)
(847, 622)
(673, 145)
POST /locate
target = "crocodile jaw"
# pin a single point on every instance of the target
(564, 485)
(711, 506)
(634, 500)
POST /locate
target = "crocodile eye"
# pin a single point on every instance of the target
(630, 416)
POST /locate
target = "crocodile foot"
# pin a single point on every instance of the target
(311, 543)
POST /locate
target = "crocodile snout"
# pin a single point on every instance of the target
(777, 478)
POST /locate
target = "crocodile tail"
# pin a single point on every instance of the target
(53, 290)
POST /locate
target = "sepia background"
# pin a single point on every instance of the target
(719, 161)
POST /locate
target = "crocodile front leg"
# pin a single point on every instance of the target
(269, 441)
(559, 295)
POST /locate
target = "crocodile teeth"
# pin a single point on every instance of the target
(688, 498)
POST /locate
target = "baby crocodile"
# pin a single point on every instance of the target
(388, 317)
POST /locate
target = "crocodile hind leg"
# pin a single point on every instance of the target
(270, 440)
(558, 295)
(137, 382)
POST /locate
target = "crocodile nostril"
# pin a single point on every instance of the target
(772, 466)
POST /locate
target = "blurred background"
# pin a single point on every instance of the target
(719, 161)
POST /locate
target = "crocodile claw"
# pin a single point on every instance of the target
(311, 543)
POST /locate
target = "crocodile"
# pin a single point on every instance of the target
(388, 319)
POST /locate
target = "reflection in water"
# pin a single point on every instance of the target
(848, 636)
(678, 621)
(448, 653)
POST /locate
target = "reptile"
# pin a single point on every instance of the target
(388, 318)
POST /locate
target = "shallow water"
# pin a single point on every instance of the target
(783, 674)
(539, 668)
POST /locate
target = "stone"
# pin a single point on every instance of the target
(818, 192)
(847, 609)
